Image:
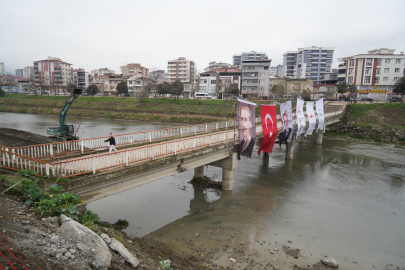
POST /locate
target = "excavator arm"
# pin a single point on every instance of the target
(62, 117)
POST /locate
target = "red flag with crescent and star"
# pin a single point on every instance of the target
(269, 125)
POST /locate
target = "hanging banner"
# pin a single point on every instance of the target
(247, 127)
(269, 126)
(287, 121)
(319, 111)
(300, 116)
(311, 117)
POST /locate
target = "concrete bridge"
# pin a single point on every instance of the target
(96, 175)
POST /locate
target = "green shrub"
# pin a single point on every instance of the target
(165, 264)
(358, 136)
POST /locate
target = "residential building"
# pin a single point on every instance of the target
(208, 82)
(52, 74)
(185, 71)
(238, 58)
(2, 71)
(255, 78)
(80, 78)
(227, 77)
(101, 71)
(327, 86)
(214, 65)
(158, 75)
(29, 73)
(309, 62)
(107, 83)
(135, 84)
(297, 86)
(374, 74)
(276, 81)
(14, 84)
(135, 69)
(20, 72)
(276, 71)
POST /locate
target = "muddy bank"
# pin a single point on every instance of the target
(17, 138)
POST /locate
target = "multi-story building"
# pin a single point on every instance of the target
(108, 83)
(101, 71)
(135, 69)
(52, 74)
(276, 71)
(135, 84)
(238, 58)
(2, 71)
(215, 82)
(20, 72)
(309, 62)
(255, 78)
(374, 74)
(29, 73)
(214, 65)
(183, 70)
(80, 78)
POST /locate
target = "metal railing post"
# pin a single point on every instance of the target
(175, 148)
(82, 146)
(94, 165)
(126, 158)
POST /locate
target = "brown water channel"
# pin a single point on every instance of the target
(342, 199)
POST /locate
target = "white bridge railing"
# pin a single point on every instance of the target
(98, 162)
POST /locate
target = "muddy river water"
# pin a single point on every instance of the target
(342, 199)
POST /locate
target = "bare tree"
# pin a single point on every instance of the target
(142, 95)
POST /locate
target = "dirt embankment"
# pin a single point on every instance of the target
(17, 138)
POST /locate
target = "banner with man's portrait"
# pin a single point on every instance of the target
(311, 118)
(269, 127)
(300, 116)
(287, 121)
(246, 127)
(319, 111)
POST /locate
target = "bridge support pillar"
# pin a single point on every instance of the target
(289, 151)
(199, 172)
(319, 136)
(227, 179)
(301, 138)
(265, 154)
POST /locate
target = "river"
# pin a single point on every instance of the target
(342, 199)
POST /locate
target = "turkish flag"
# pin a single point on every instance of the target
(269, 125)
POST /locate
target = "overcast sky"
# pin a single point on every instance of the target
(96, 34)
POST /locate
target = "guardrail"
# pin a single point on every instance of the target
(93, 163)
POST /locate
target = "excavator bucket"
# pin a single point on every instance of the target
(76, 92)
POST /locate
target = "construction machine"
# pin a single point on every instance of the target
(63, 131)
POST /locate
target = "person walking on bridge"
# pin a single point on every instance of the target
(111, 139)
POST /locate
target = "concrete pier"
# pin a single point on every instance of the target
(227, 165)
(319, 136)
(301, 138)
(227, 179)
(289, 151)
(199, 172)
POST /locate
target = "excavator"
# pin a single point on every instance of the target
(63, 131)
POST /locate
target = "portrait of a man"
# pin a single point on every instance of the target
(286, 118)
(247, 128)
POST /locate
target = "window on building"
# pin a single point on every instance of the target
(398, 61)
(377, 79)
(379, 62)
(350, 80)
(378, 70)
(213, 81)
(387, 61)
(351, 71)
(130, 82)
(396, 70)
(203, 81)
(367, 79)
(351, 63)
(385, 79)
(395, 79)
(386, 70)
(369, 62)
(368, 71)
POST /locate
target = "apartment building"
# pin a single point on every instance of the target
(276, 71)
(20, 72)
(52, 74)
(214, 65)
(101, 71)
(375, 73)
(255, 78)
(80, 78)
(215, 82)
(2, 71)
(238, 58)
(135, 69)
(309, 62)
(107, 83)
(158, 75)
(135, 84)
(29, 73)
(183, 70)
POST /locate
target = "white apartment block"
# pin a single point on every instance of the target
(20, 72)
(276, 71)
(52, 74)
(309, 62)
(255, 77)
(374, 73)
(2, 71)
(80, 78)
(29, 73)
(183, 70)
(101, 71)
(238, 58)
